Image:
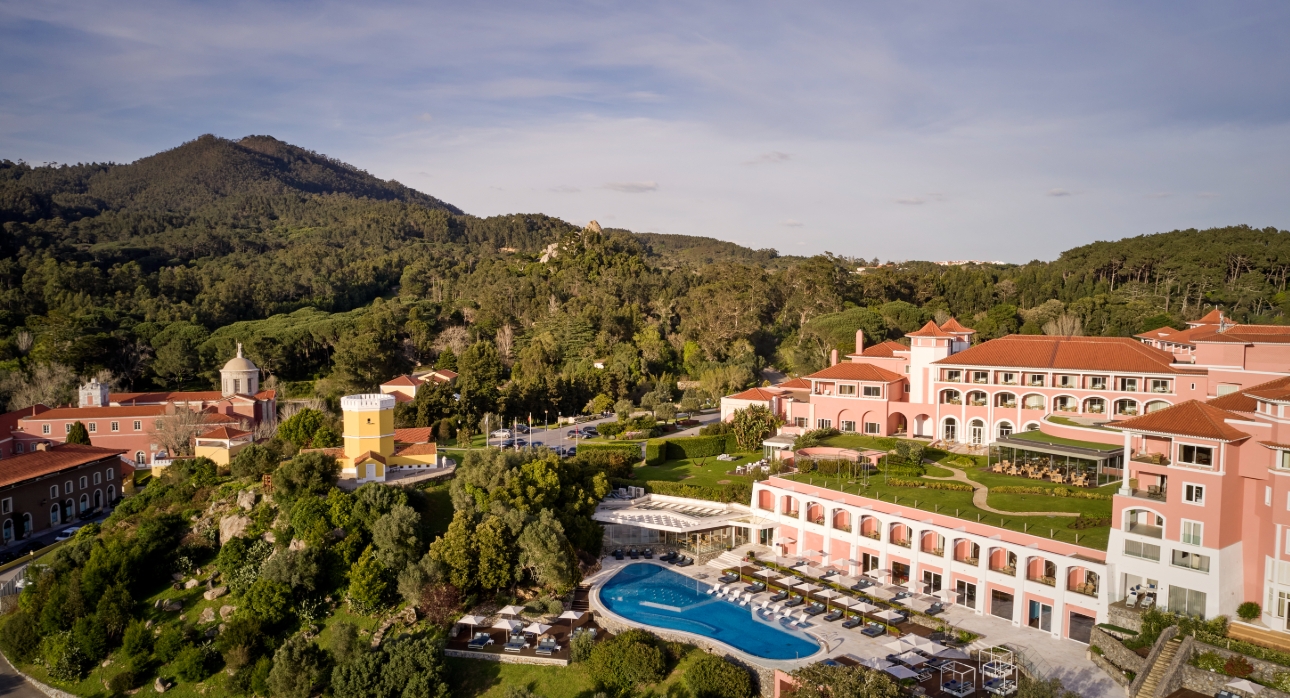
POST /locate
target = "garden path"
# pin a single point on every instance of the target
(980, 493)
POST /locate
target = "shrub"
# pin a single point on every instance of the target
(814, 437)
(193, 663)
(1081, 522)
(655, 452)
(1249, 610)
(627, 660)
(170, 642)
(580, 647)
(696, 447)
(19, 636)
(712, 676)
(1095, 650)
(1049, 492)
(1209, 661)
(735, 492)
(1281, 681)
(1238, 666)
(929, 485)
(121, 682)
(715, 428)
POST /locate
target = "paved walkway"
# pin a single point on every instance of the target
(12, 683)
(980, 493)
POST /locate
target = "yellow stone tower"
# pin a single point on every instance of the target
(369, 435)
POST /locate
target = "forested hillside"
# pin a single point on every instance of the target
(336, 280)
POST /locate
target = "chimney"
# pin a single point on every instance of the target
(859, 341)
(833, 358)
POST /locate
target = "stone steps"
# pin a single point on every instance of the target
(1158, 669)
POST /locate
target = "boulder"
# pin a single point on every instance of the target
(177, 576)
(159, 686)
(191, 584)
(297, 544)
(246, 499)
(215, 593)
(147, 624)
(268, 536)
(172, 605)
(214, 630)
(226, 611)
(231, 527)
(207, 616)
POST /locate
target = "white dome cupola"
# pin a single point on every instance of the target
(239, 376)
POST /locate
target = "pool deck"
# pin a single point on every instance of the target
(1064, 659)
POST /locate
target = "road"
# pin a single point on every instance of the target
(44, 538)
(12, 683)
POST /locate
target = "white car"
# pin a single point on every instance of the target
(67, 533)
(501, 434)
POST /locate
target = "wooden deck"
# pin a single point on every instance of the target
(458, 646)
(1275, 639)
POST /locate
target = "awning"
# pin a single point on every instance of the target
(1089, 450)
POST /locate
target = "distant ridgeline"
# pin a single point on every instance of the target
(155, 269)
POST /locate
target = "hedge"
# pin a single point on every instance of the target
(1049, 492)
(655, 452)
(738, 492)
(699, 446)
(632, 451)
(952, 486)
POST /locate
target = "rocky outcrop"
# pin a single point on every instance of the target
(215, 593)
(207, 616)
(231, 527)
(246, 499)
(226, 612)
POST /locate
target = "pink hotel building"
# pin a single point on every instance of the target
(1199, 417)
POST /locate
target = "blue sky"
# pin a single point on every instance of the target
(986, 130)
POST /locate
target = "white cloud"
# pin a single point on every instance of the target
(632, 187)
(1058, 192)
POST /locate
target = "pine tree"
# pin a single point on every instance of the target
(369, 583)
(78, 435)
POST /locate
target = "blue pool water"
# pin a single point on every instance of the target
(657, 596)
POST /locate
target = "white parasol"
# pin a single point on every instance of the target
(537, 628)
(509, 625)
(512, 610)
(472, 621)
(900, 672)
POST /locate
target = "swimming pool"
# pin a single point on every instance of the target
(654, 595)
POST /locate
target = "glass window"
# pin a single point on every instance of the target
(1159, 385)
(67, 427)
(44, 428)
(953, 376)
(872, 428)
(980, 376)
(846, 390)
(1282, 597)
(138, 425)
(847, 426)
(1097, 382)
(873, 391)
(824, 424)
(1005, 430)
(116, 426)
(1196, 455)
(1186, 601)
(1146, 551)
(1194, 494)
(1192, 532)
(1191, 561)
(94, 427)
(1008, 378)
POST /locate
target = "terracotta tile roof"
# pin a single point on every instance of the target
(883, 349)
(796, 383)
(754, 394)
(1245, 334)
(1240, 400)
(1214, 317)
(952, 325)
(223, 433)
(414, 435)
(266, 395)
(1169, 334)
(930, 330)
(123, 412)
(1273, 444)
(1191, 418)
(857, 372)
(403, 381)
(1066, 353)
(9, 420)
(400, 397)
(161, 398)
(370, 455)
(56, 458)
(418, 450)
(1271, 393)
(219, 418)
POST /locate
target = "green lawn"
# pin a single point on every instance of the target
(471, 678)
(959, 504)
(705, 472)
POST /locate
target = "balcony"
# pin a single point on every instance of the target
(1152, 458)
(818, 521)
(953, 401)
(842, 527)
(1087, 589)
(1010, 570)
(1164, 389)
(1047, 581)
(938, 552)
(1127, 411)
(1138, 529)
(1011, 404)
(1155, 493)
(973, 561)
(902, 543)
(797, 514)
(872, 535)
(977, 403)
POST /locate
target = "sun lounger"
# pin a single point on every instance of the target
(795, 601)
(779, 596)
(756, 587)
(648, 554)
(833, 615)
(852, 622)
(547, 647)
(479, 641)
(515, 644)
(618, 554)
(814, 609)
(728, 578)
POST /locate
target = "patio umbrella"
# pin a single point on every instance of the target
(874, 663)
(920, 604)
(878, 573)
(911, 659)
(952, 653)
(828, 594)
(1244, 685)
(571, 616)
(806, 587)
(898, 646)
(847, 581)
(947, 595)
(863, 607)
(768, 574)
(900, 672)
(881, 593)
(510, 626)
(813, 572)
(512, 610)
(888, 615)
(472, 621)
(537, 628)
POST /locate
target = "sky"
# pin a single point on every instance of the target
(916, 130)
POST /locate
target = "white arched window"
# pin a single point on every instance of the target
(1004, 430)
(26, 525)
(110, 475)
(950, 431)
(976, 432)
(55, 515)
(85, 503)
(140, 458)
(8, 530)
(111, 494)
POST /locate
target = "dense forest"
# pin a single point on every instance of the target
(336, 280)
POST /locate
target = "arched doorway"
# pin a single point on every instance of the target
(1004, 430)
(98, 499)
(976, 432)
(950, 430)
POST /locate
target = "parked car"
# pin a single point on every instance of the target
(522, 428)
(66, 533)
(570, 452)
(589, 432)
(535, 443)
(501, 434)
(521, 442)
(507, 443)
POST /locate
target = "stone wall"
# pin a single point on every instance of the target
(1123, 617)
(1117, 675)
(505, 658)
(1172, 680)
(1210, 683)
(1120, 656)
(763, 678)
(1264, 671)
